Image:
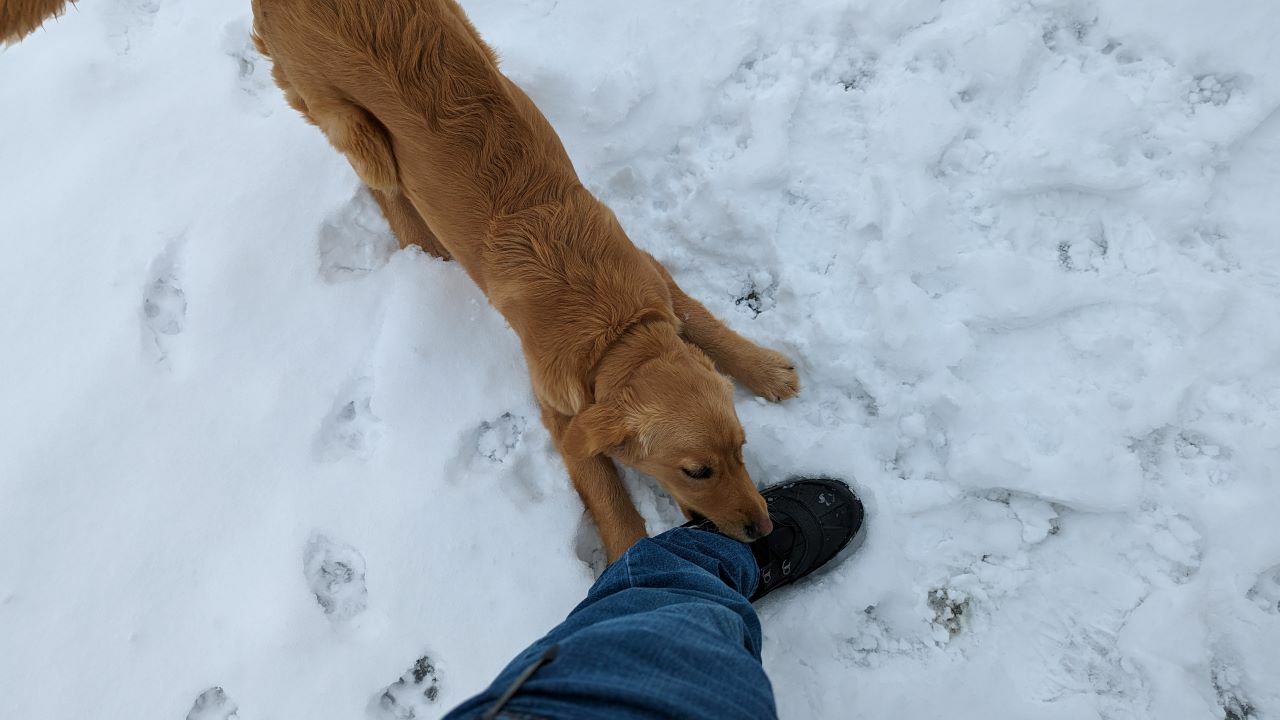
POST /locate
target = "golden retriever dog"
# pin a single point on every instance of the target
(624, 364)
(19, 17)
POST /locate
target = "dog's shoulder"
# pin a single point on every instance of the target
(570, 282)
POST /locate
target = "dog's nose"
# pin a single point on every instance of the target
(759, 528)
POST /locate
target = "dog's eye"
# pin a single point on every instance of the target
(698, 472)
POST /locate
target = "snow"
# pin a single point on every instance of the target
(258, 464)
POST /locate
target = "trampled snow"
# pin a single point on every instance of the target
(256, 463)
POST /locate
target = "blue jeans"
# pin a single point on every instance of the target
(666, 632)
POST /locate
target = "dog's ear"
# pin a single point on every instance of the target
(594, 431)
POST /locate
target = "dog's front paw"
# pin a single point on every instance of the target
(772, 376)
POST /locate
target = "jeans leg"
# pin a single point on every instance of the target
(667, 631)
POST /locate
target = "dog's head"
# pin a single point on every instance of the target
(674, 419)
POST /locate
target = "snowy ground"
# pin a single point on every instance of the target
(1024, 252)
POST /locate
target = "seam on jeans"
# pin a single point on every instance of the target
(547, 656)
(630, 580)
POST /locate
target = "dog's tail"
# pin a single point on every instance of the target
(20, 17)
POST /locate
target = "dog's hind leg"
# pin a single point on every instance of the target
(291, 95)
(405, 222)
(765, 372)
(357, 134)
(408, 225)
(367, 149)
(354, 131)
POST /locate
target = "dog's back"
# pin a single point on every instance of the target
(415, 99)
(427, 89)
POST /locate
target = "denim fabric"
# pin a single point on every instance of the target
(666, 632)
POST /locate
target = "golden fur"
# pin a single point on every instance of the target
(623, 362)
(20, 17)
(465, 166)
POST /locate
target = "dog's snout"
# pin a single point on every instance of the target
(757, 529)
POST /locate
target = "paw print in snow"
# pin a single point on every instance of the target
(1189, 445)
(1265, 593)
(412, 696)
(213, 704)
(589, 547)
(1210, 246)
(856, 73)
(1226, 683)
(499, 438)
(1199, 455)
(1087, 253)
(949, 606)
(758, 293)
(1066, 32)
(253, 69)
(351, 429)
(876, 642)
(1211, 90)
(164, 304)
(335, 573)
(1174, 548)
(355, 240)
(128, 22)
(1087, 661)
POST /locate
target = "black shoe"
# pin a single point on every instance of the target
(813, 520)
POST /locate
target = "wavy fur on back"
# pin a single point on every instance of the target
(18, 18)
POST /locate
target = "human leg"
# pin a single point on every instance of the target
(667, 631)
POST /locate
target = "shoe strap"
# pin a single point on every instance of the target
(808, 529)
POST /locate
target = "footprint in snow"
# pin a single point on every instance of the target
(1201, 454)
(1065, 33)
(1086, 253)
(411, 697)
(1265, 593)
(856, 73)
(949, 606)
(1211, 89)
(127, 22)
(253, 69)
(499, 450)
(350, 429)
(213, 704)
(335, 574)
(164, 304)
(1234, 702)
(589, 547)
(355, 240)
(1089, 662)
(875, 642)
(1174, 548)
(498, 439)
(757, 293)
